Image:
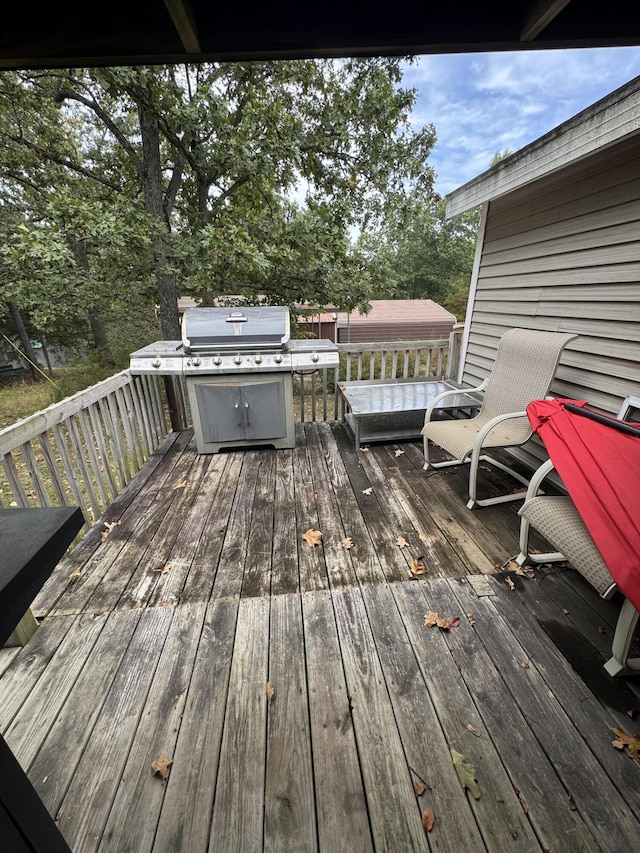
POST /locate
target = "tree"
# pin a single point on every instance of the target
(217, 150)
(422, 255)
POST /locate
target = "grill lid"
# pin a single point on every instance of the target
(212, 329)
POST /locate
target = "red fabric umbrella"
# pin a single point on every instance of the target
(600, 467)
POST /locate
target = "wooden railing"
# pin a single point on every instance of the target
(437, 359)
(84, 450)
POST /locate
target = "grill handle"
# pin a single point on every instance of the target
(236, 317)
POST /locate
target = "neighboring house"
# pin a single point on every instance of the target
(559, 249)
(396, 320)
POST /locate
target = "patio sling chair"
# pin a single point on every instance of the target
(524, 367)
(558, 520)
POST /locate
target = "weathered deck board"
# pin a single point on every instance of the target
(161, 638)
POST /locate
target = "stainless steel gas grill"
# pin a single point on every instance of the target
(239, 366)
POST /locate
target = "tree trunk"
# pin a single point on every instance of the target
(165, 281)
(25, 341)
(98, 328)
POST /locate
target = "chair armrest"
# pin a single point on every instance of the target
(486, 429)
(438, 397)
(537, 477)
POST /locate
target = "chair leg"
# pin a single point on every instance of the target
(473, 476)
(619, 664)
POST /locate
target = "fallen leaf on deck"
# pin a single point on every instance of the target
(633, 713)
(525, 665)
(401, 542)
(364, 449)
(419, 788)
(632, 742)
(312, 537)
(565, 611)
(367, 491)
(109, 526)
(164, 570)
(499, 799)
(347, 543)
(181, 485)
(75, 575)
(418, 567)
(270, 692)
(161, 767)
(432, 619)
(466, 774)
(422, 537)
(428, 819)
(472, 729)
(572, 803)
(510, 584)
(399, 452)
(602, 629)
(472, 621)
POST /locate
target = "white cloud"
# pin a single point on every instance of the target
(484, 103)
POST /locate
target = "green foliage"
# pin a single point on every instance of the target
(82, 375)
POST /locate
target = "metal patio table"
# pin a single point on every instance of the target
(393, 409)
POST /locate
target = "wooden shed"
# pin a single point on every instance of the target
(396, 320)
(559, 249)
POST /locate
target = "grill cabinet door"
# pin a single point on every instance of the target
(241, 410)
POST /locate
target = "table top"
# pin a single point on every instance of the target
(32, 541)
(401, 395)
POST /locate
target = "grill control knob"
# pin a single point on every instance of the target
(258, 359)
(156, 362)
(217, 360)
(196, 362)
(237, 360)
(315, 357)
(277, 358)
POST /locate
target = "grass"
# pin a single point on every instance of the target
(21, 398)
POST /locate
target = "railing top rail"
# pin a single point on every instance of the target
(377, 346)
(28, 428)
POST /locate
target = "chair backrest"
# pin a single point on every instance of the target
(526, 362)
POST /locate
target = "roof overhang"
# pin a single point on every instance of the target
(610, 120)
(122, 32)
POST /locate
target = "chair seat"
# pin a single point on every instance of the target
(457, 437)
(560, 523)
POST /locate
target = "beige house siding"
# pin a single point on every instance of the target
(563, 253)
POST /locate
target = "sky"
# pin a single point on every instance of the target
(488, 102)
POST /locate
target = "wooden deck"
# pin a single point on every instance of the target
(161, 638)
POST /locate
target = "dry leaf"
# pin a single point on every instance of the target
(418, 567)
(633, 713)
(431, 619)
(499, 799)
(510, 583)
(419, 788)
(428, 819)
(161, 767)
(109, 526)
(367, 491)
(472, 729)
(181, 485)
(602, 629)
(312, 537)
(565, 611)
(422, 537)
(632, 742)
(270, 692)
(399, 452)
(466, 774)
(472, 621)
(572, 803)
(347, 543)
(75, 575)
(524, 665)
(364, 449)
(401, 542)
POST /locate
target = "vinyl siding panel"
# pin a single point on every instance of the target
(563, 254)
